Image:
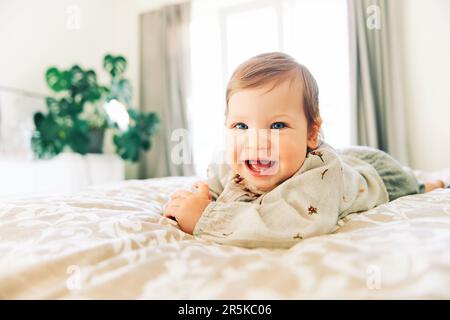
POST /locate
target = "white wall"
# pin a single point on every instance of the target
(34, 35)
(427, 82)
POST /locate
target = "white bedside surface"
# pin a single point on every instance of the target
(64, 174)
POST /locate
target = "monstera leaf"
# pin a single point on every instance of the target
(142, 126)
(49, 138)
(115, 65)
(57, 80)
(78, 136)
(128, 145)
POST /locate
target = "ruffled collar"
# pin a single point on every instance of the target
(247, 187)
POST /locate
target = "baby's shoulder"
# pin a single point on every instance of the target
(324, 155)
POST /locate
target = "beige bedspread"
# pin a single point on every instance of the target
(111, 242)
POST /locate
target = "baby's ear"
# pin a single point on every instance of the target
(313, 133)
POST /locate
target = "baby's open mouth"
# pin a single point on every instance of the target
(260, 167)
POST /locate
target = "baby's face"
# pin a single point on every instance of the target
(267, 134)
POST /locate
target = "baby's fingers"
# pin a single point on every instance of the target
(202, 188)
(180, 194)
(170, 211)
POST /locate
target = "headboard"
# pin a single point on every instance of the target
(16, 120)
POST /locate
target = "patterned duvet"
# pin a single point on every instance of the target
(111, 242)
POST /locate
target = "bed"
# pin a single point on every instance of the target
(111, 242)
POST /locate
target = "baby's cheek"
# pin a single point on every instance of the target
(231, 156)
(231, 161)
(292, 154)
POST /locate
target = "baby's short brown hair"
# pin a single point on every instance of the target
(276, 67)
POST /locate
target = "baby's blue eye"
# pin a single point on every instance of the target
(278, 125)
(241, 126)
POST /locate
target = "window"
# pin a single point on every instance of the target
(317, 37)
(247, 31)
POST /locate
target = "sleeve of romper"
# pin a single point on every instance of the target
(218, 176)
(303, 206)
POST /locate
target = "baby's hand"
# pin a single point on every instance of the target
(187, 207)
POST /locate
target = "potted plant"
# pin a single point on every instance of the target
(77, 114)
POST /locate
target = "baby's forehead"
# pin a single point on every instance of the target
(285, 96)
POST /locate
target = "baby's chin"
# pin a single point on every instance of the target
(263, 186)
(263, 183)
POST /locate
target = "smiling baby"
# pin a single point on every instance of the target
(281, 182)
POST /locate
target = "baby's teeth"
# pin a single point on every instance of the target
(259, 161)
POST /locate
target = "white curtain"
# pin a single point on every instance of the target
(165, 89)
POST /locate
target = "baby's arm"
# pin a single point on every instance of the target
(306, 205)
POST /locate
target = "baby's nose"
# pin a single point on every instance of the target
(259, 139)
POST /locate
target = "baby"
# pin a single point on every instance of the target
(284, 183)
